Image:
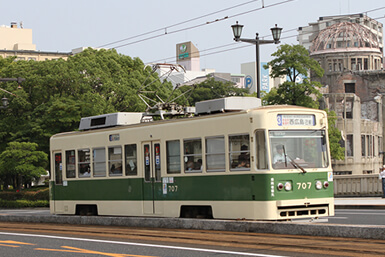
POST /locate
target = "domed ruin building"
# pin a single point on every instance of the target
(350, 50)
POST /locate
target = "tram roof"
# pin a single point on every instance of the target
(198, 117)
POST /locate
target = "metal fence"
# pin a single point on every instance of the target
(357, 185)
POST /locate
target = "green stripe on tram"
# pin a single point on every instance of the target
(234, 187)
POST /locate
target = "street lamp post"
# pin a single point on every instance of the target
(276, 32)
(4, 102)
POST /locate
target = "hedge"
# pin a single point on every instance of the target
(23, 204)
(42, 194)
(24, 199)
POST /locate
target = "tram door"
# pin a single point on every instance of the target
(152, 176)
(58, 169)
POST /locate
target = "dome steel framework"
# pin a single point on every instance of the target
(344, 35)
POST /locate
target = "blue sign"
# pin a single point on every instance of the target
(279, 120)
(248, 81)
(265, 85)
(299, 79)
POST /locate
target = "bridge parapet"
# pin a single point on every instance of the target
(357, 185)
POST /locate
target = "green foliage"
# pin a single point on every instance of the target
(23, 204)
(292, 93)
(57, 93)
(337, 152)
(22, 161)
(25, 198)
(212, 89)
(292, 61)
(41, 194)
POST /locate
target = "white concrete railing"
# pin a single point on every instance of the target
(357, 185)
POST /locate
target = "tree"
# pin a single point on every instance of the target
(336, 151)
(57, 93)
(212, 89)
(294, 62)
(21, 162)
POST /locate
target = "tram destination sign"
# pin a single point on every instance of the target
(295, 120)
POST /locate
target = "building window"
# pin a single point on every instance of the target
(359, 64)
(350, 88)
(353, 64)
(349, 145)
(173, 156)
(363, 145)
(342, 172)
(366, 67)
(236, 79)
(370, 144)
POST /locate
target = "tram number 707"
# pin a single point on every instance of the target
(173, 188)
(304, 185)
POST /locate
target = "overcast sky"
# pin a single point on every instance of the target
(65, 25)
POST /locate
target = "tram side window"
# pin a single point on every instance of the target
(215, 153)
(192, 155)
(239, 152)
(84, 163)
(99, 162)
(70, 164)
(173, 156)
(115, 160)
(261, 152)
(131, 159)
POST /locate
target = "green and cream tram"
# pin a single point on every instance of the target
(266, 163)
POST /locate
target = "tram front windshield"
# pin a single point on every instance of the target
(306, 149)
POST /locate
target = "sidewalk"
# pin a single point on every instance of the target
(359, 203)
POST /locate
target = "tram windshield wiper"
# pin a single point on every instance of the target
(292, 162)
(296, 165)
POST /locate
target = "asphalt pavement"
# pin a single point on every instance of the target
(307, 228)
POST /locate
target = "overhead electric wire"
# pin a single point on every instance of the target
(179, 23)
(216, 47)
(282, 38)
(204, 24)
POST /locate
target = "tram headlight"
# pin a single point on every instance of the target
(318, 185)
(326, 184)
(287, 186)
(280, 186)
